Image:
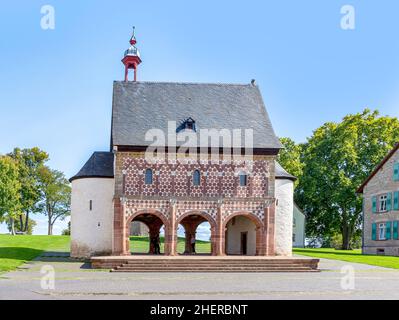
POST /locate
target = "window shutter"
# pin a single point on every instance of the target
(374, 201)
(396, 200)
(396, 172)
(374, 231)
(395, 230)
(388, 231)
(389, 201)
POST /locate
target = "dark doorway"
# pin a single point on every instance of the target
(244, 241)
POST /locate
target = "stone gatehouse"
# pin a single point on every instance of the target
(247, 198)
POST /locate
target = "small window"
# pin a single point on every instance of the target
(294, 223)
(381, 231)
(243, 179)
(196, 178)
(148, 176)
(91, 205)
(294, 237)
(188, 124)
(380, 251)
(383, 203)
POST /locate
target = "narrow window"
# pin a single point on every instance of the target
(383, 203)
(91, 205)
(148, 176)
(197, 178)
(381, 231)
(243, 179)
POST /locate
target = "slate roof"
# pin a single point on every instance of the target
(281, 173)
(378, 167)
(141, 106)
(100, 165)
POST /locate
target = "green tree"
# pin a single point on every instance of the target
(21, 228)
(55, 194)
(290, 157)
(10, 191)
(337, 159)
(29, 161)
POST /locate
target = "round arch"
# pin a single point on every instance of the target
(259, 236)
(153, 228)
(208, 218)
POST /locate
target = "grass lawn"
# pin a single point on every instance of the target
(350, 256)
(141, 245)
(15, 250)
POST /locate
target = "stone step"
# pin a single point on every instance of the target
(209, 264)
(210, 270)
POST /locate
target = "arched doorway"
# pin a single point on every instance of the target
(153, 243)
(201, 227)
(243, 235)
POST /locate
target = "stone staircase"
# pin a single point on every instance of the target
(213, 264)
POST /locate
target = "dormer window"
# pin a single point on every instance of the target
(188, 124)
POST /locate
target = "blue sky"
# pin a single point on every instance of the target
(56, 85)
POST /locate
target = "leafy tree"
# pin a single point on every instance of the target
(21, 228)
(10, 188)
(56, 195)
(337, 159)
(29, 161)
(290, 157)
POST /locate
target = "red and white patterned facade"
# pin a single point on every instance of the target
(172, 196)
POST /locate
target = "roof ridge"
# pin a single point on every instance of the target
(189, 83)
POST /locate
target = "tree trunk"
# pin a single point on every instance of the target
(12, 226)
(50, 228)
(346, 238)
(26, 222)
(21, 223)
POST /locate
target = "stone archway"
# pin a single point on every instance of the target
(191, 221)
(243, 234)
(154, 220)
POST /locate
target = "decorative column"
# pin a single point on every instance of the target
(219, 232)
(125, 230)
(268, 242)
(119, 231)
(171, 235)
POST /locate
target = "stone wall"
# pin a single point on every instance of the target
(91, 223)
(380, 184)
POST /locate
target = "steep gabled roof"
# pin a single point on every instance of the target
(379, 166)
(141, 106)
(100, 165)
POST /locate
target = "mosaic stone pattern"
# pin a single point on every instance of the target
(175, 179)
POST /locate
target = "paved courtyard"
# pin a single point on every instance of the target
(74, 280)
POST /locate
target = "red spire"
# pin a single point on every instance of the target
(132, 57)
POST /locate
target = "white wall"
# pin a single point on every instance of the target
(91, 231)
(299, 228)
(233, 236)
(284, 216)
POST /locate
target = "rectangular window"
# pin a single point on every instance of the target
(381, 231)
(396, 171)
(383, 203)
(293, 237)
(91, 205)
(396, 200)
(294, 222)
